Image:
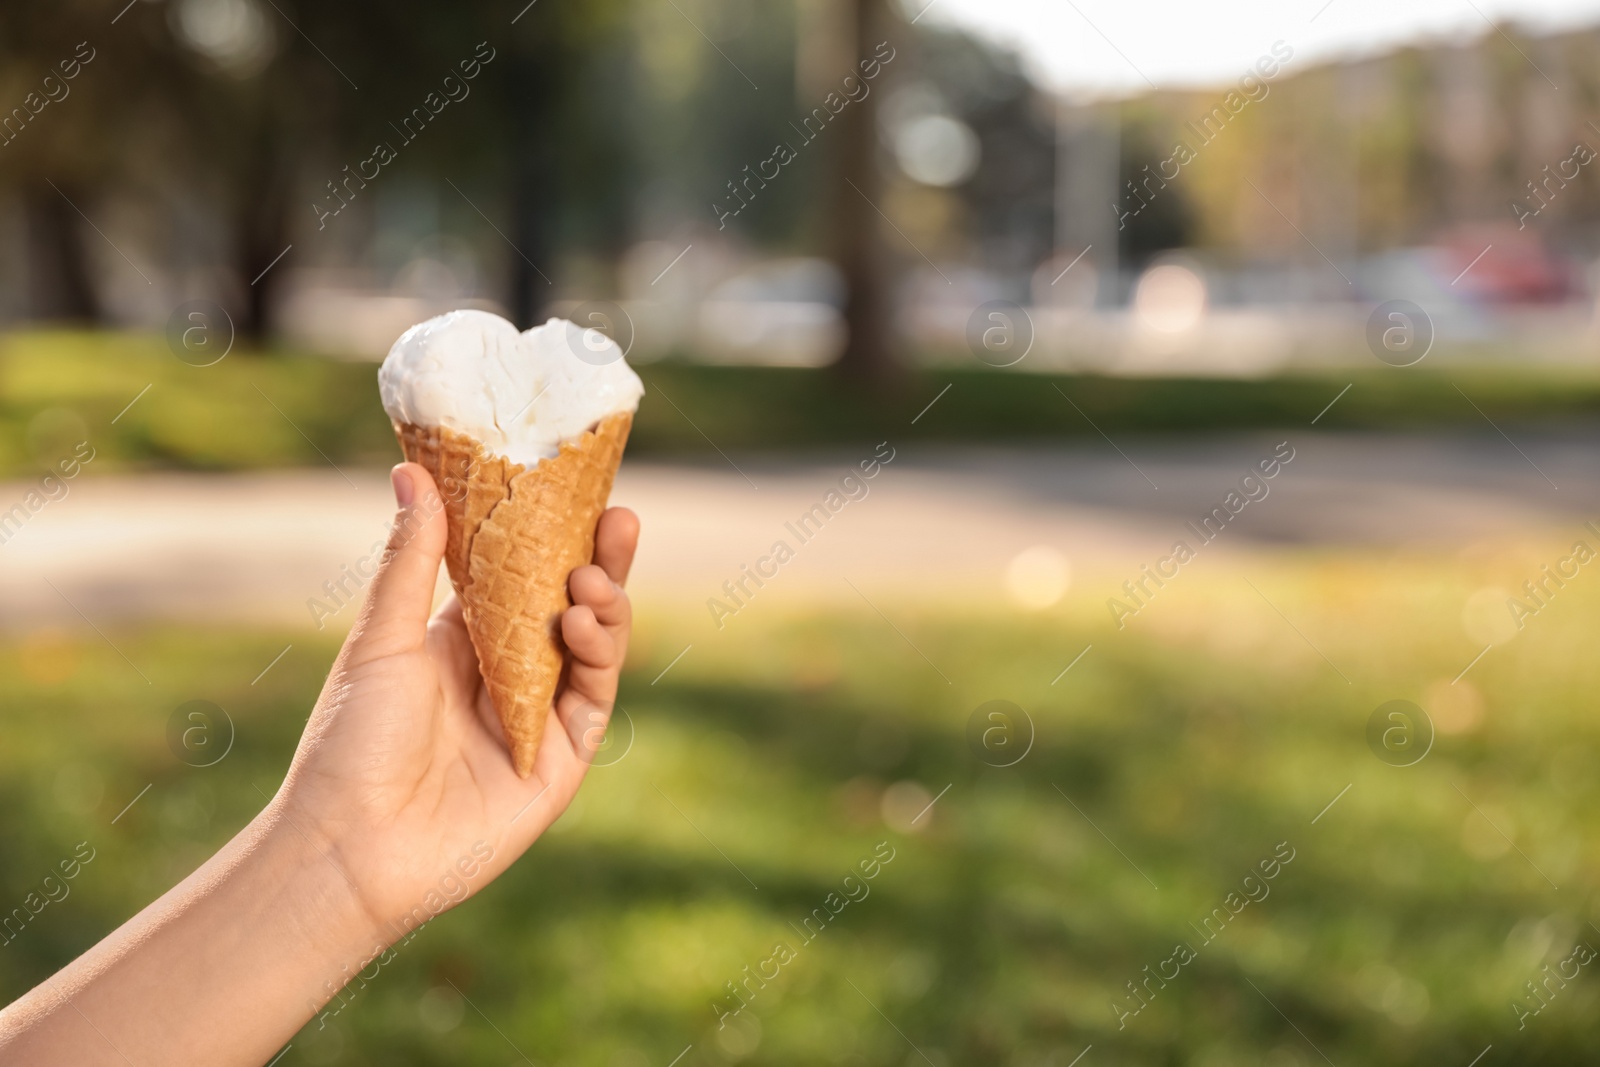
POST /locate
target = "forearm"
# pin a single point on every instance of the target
(221, 970)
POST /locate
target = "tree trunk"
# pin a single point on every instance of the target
(872, 350)
(60, 287)
(260, 230)
(535, 86)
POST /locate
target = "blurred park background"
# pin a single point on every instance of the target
(1069, 274)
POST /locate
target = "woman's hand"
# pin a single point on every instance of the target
(400, 802)
(402, 778)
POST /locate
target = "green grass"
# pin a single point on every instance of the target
(255, 410)
(1196, 740)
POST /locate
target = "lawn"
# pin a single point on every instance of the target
(1178, 762)
(140, 406)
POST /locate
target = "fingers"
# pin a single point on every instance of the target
(592, 587)
(400, 599)
(615, 539)
(584, 724)
(596, 627)
(593, 647)
(595, 630)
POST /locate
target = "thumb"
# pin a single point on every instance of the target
(400, 598)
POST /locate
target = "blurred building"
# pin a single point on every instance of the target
(1457, 176)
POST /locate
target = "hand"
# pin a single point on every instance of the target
(402, 778)
(401, 801)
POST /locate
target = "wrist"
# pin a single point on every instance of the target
(315, 906)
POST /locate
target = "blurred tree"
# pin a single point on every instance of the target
(705, 108)
(1010, 194)
(533, 134)
(568, 159)
(252, 99)
(1156, 216)
(534, 80)
(59, 285)
(235, 123)
(48, 160)
(183, 109)
(871, 351)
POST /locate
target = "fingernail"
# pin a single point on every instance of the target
(404, 491)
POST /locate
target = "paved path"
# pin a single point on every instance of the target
(258, 546)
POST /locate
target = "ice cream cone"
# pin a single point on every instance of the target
(516, 534)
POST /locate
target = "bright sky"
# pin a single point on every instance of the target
(1114, 46)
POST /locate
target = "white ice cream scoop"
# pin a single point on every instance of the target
(520, 394)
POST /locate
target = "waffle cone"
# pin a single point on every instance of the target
(515, 536)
